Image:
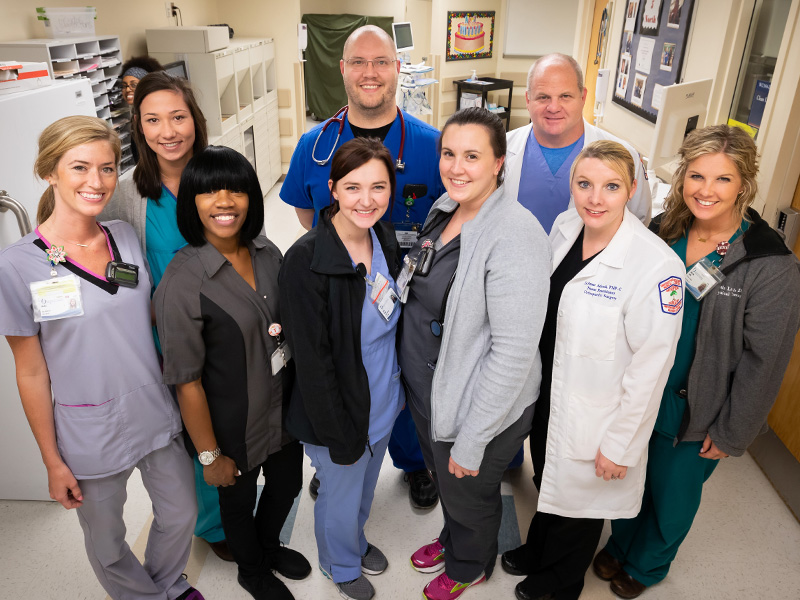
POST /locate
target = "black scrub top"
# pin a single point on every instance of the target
(566, 271)
(419, 348)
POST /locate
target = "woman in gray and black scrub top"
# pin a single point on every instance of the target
(220, 328)
(58, 312)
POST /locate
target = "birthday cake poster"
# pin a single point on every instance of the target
(469, 35)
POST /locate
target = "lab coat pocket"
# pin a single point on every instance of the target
(588, 419)
(593, 331)
(90, 438)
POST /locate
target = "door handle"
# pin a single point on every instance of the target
(23, 220)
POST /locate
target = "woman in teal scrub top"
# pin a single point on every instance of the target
(168, 128)
(735, 344)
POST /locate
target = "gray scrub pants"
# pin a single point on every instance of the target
(168, 476)
(472, 506)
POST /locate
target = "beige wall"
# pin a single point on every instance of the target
(128, 20)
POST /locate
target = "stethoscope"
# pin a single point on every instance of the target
(339, 118)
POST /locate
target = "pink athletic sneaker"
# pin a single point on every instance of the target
(429, 558)
(444, 588)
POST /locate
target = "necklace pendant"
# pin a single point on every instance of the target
(722, 248)
(702, 240)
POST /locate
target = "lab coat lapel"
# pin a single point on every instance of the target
(516, 154)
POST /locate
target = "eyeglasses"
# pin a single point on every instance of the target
(130, 86)
(379, 64)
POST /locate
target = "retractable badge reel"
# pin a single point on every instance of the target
(383, 296)
(57, 297)
(283, 354)
(705, 275)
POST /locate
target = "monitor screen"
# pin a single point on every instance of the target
(683, 109)
(403, 40)
(177, 68)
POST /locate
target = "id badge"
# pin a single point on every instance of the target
(280, 358)
(383, 296)
(406, 234)
(702, 278)
(56, 298)
(404, 278)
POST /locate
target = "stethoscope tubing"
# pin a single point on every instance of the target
(339, 118)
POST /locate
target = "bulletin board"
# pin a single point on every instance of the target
(652, 48)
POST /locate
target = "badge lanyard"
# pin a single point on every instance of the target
(382, 295)
(706, 274)
(57, 297)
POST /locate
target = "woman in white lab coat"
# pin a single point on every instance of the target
(612, 325)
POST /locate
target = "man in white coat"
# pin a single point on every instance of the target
(540, 155)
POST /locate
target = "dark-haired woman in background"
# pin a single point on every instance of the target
(341, 311)
(132, 71)
(169, 128)
(734, 347)
(472, 371)
(220, 327)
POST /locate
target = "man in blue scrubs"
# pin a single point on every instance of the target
(370, 71)
(540, 155)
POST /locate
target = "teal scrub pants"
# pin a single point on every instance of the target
(209, 521)
(647, 544)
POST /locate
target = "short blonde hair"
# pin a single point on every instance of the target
(59, 138)
(614, 155)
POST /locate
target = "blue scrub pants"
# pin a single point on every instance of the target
(647, 544)
(342, 508)
(209, 521)
(404, 445)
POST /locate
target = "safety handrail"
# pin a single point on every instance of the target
(23, 220)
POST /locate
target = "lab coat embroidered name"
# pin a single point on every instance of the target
(671, 292)
(727, 290)
(601, 290)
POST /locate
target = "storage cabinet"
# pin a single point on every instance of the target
(236, 90)
(96, 58)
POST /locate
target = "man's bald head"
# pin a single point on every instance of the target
(367, 30)
(558, 59)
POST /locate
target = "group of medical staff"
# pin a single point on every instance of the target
(456, 293)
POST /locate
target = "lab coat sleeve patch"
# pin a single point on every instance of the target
(671, 295)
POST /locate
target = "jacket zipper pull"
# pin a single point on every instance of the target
(371, 453)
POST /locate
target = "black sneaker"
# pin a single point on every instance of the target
(265, 587)
(289, 563)
(313, 487)
(422, 490)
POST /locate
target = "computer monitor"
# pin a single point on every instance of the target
(403, 40)
(177, 68)
(684, 107)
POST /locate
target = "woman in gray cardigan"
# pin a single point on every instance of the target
(469, 348)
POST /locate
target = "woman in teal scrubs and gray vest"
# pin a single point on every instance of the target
(169, 129)
(735, 344)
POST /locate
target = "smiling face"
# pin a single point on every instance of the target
(84, 179)
(600, 195)
(555, 104)
(710, 188)
(467, 163)
(363, 195)
(222, 214)
(129, 83)
(369, 89)
(168, 126)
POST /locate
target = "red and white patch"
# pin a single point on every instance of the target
(671, 295)
(275, 329)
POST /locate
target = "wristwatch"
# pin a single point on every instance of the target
(206, 457)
